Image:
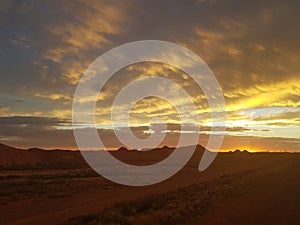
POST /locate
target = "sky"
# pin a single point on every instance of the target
(252, 47)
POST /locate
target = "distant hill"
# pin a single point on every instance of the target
(11, 157)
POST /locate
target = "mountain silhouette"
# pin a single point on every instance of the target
(10, 156)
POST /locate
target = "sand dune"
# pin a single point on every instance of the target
(10, 156)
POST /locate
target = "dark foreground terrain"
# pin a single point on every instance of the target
(237, 189)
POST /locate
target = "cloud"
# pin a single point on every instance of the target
(5, 111)
(85, 29)
(252, 48)
(287, 115)
(55, 97)
(60, 46)
(31, 120)
(239, 47)
(44, 132)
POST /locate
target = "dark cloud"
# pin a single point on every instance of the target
(31, 120)
(30, 136)
(48, 133)
(18, 100)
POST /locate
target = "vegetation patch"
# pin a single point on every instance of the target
(175, 207)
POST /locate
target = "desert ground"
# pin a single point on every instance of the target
(41, 187)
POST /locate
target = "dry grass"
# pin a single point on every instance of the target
(175, 207)
(36, 186)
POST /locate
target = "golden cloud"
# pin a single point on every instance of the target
(267, 95)
(92, 23)
(54, 97)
